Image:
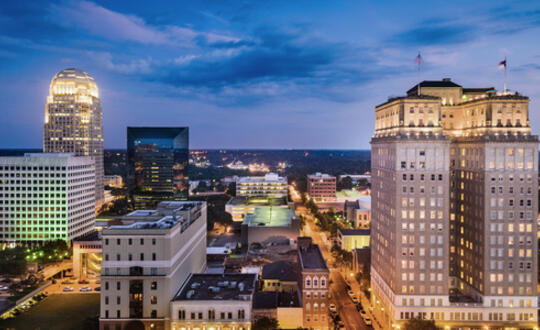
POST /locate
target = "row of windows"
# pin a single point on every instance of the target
(241, 315)
(130, 257)
(130, 241)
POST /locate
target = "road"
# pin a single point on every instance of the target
(345, 306)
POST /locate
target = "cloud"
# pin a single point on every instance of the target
(435, 33)
(111, 25)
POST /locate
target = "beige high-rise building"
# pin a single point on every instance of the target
(73, 120)
(454, 202)
(146, 260)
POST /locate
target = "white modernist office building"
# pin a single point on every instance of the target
(46, 197)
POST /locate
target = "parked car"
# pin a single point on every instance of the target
(97, 288)
(367, 321)
(332, 308)
(3, 287)
(363, 314)
(85, 289)
(350, 293)
(355, 299)
(67, 289)
(67, 282)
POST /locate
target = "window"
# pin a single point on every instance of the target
(130, 241)
(117, 285)
(181, 314)
(153, 314)
(142, 243)
(241, 314)
(153, 241)
(153, 300)
(106, 285)
(153, 286)
(153, 256)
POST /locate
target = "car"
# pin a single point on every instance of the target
(355, 299)
(67, 289)
(341, 325)
(3, 287)
(332, 308)
(359, 308)
(363, 314)
(67, 282)
(85, 289)
(350, 293)
(83, 282)
(367, 321)
(97, 288)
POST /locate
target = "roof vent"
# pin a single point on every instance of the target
(190, 294)
(447, 79)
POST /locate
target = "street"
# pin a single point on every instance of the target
(345, 306)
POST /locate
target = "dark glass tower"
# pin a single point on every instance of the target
(157, 164)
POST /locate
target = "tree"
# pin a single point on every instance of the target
(345, 183)
(419, 324)
(265, 323)
(12, 261)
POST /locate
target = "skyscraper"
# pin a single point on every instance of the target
(454, 208)
(73, 120)
(157, 164)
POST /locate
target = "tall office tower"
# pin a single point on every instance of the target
(157, 164)
(73, 120)
(146, 260)
(45, 197)
(453, 221)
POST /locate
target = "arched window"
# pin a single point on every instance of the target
(308, 282)
(308, 307)
(315, 282)
(323, 282)
(315, 307)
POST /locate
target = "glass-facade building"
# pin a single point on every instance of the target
(157, 164)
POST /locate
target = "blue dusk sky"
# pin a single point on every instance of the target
(256, 74)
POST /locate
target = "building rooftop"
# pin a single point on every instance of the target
(204, 287)
(92, 236)
(409, 97)
(270, 177)
(167, 215)
(265, 300)
(274, 299)
(310, 255)
(270, 217)
(354, 232)
(320, 175)
(362, 203)
(444, 83)
(280, 270)
(166, 222)
(258, 201)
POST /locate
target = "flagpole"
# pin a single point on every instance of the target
(419, 61)
(505, 66)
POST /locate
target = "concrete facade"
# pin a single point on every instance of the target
(147, 259)
(454, 201)
(46, 197)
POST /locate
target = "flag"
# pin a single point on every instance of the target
(502, 64)
(418, 60)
